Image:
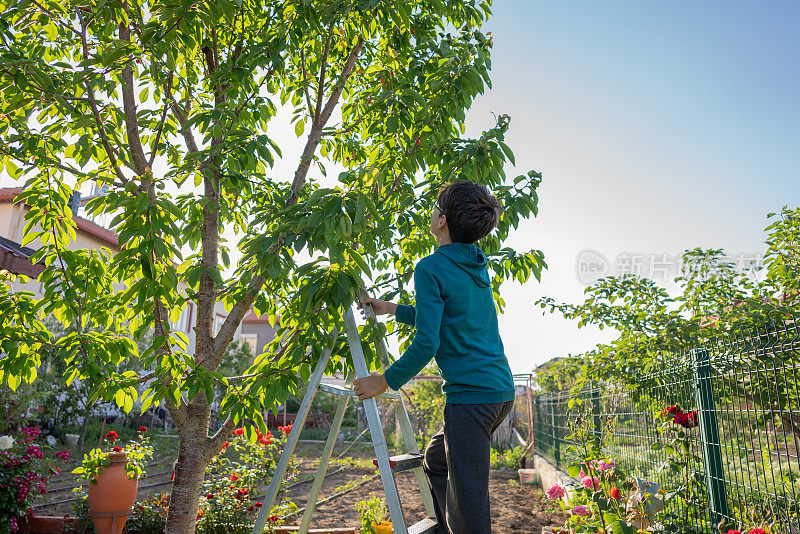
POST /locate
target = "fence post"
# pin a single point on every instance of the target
(597, 423)
(554, 430)
(709, 435)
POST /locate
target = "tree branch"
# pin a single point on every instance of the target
(305, 84)
(160, 127)
(316, 131)
(219, 438)
(323, 67)
(188, 136)
(129, 106)
(56, 19)
(228, 328)
(95, 112)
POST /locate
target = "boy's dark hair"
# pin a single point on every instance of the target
(470, 209)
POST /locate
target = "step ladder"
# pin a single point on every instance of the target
(387, 466)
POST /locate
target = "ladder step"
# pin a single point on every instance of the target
(340, 390)
(426, 526)
(403, 462)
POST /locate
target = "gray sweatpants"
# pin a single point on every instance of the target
(457, 466)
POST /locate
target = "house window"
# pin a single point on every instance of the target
(251, 340)
(218, 320)
(184, 323)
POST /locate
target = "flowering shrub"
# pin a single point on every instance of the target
(227, 504)
(597, 504)
(24, 474)
(687, 501)
(608, 500)
(149, 516)
(138, 452)
(233, 477)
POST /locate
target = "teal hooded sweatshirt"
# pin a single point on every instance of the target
(456, 323)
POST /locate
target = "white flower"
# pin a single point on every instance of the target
(6, 442)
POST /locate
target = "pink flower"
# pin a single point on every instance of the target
(63, 455)
(555, 492)
(31, 431)
(581, 510)
(591, 483)
(35, 451)
(602, 465)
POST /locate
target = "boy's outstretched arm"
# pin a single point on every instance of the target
(428, 320)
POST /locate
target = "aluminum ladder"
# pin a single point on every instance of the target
(387, 465)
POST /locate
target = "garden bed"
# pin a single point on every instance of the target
(515, 509)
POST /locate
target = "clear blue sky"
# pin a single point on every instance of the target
(659, 126)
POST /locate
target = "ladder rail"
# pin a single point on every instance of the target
(403, 420)
(316, 487)
(294, 437)
(376, 429)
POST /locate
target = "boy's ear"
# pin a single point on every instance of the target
(443, 221)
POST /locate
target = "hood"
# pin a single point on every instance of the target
(469, 259)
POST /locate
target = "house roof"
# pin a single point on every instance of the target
(14, 258)
(251, 317)
(7, 194)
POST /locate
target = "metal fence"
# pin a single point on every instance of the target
(745, 390)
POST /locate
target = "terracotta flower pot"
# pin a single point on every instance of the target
(111, 499)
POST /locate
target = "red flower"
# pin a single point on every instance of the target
(731, 531)
(615, 493)
(273, 518)
(224, 445)
(757, 531)
(285, 430)
(111, 436)
(142, 428)
(63, 455)
(116, 449)
(250, 509)
(693, 419)
(234, 477)
(674, 410)
(259, 505)
(209, 496)
(238, 432)
(241, 493)
(686, 420)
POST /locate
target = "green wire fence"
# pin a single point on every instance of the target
(745, 389)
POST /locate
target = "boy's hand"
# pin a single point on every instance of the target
(380, 307)
(370, 386)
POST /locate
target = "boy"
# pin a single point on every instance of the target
(456, 323)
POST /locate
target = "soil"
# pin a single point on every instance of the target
(516, 509)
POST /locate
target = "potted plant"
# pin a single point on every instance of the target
(113, 478)
(24, 475)
(374, 516)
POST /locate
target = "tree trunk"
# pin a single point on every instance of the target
(190, 470)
